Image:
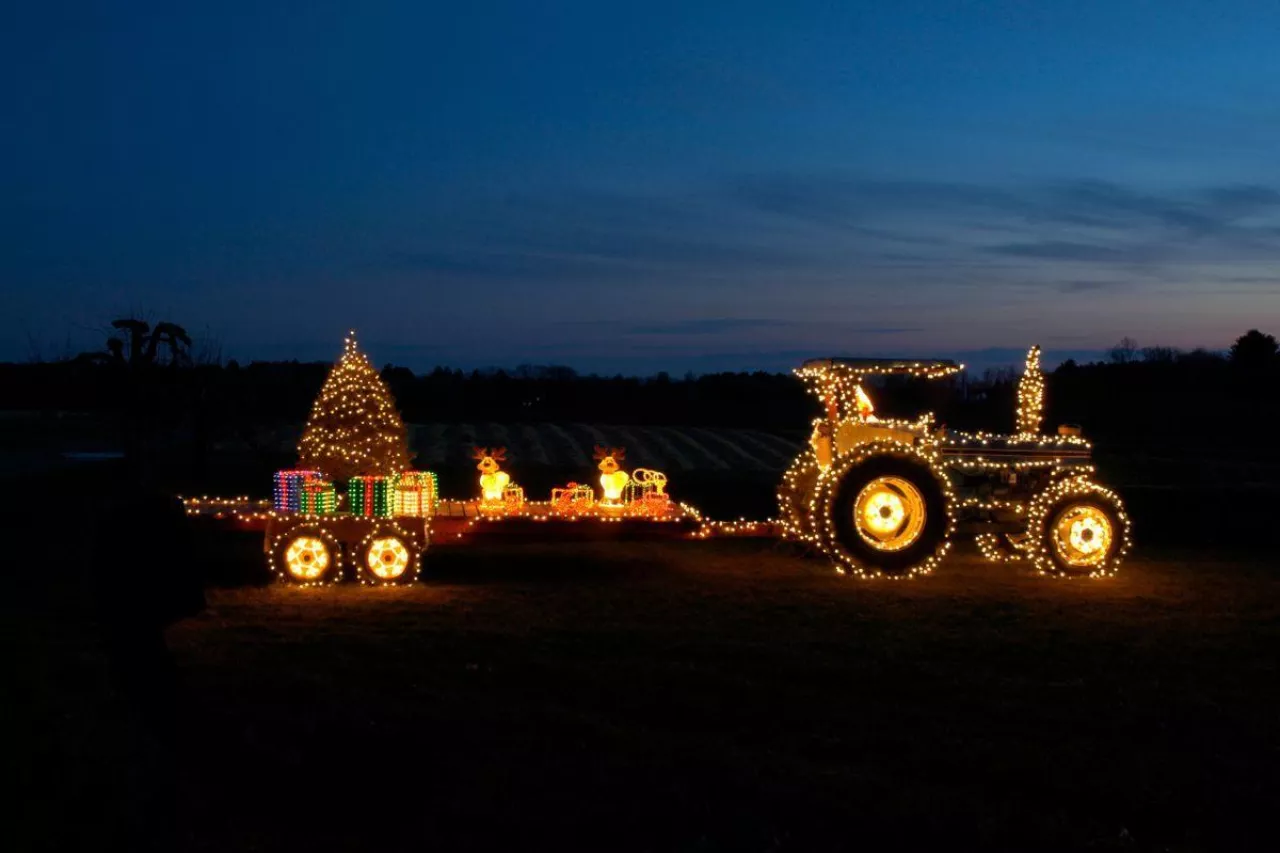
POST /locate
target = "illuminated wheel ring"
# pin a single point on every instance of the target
(889, 513)
(1078, 529)
(387, 557)
(306, 556)
(1082, 536)
(833, 515)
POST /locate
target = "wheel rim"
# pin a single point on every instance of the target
(889, 513)
(307, 558)
(1083, 536)
(387, 557)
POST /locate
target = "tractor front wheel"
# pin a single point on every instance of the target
(1078, 528)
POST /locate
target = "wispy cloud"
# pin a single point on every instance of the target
(708, 326)
(1061, 250)
(1088, 286)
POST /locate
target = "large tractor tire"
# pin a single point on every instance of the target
(1077, 529)
(306, 556)
(387, 556)
(795, 498)
(885, 509)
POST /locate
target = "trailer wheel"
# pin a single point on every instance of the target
(308, 556)
(885, 509)
(795, 496)
(1078, 529)
(388, 556)
(1004, 547)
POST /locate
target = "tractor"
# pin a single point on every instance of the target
(885, 497)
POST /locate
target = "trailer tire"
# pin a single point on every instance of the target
(306, 556)
(387, 556)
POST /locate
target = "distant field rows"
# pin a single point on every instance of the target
(571, 445)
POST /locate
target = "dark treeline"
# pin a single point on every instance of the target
(1154, 396)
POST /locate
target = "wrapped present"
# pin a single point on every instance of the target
(415, 493)
(646, 493)
(656, 503)
(370, 496)
(513, 498)
(573, 498)
(318, 497)
(288, 491)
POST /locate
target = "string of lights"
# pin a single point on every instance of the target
(879, 497)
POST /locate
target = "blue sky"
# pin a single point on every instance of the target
(641, 187)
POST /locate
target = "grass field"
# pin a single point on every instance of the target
(683, 696)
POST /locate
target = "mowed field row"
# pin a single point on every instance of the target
(570, 445)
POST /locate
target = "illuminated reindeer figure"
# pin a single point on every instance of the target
(493, 481)
(612, 479)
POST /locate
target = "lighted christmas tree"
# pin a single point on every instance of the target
(354, 427)
(1031, 394)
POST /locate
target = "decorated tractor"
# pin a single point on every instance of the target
(886, 497)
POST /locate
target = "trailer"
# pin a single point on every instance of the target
(314, 549)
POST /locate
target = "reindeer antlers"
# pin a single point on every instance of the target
(601, 453)
(499, 454)
(478, 452)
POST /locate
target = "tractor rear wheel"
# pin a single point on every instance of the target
(885, 509)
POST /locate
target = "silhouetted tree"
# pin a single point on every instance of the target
(1125, 352)
(1160, 355)
(139, 345)
(1254, 350)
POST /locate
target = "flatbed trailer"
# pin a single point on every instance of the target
(315, 549)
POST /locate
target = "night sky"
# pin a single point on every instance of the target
(642, 187)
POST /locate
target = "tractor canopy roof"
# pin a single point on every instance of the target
(835, 369)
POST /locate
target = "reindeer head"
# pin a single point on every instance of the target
(609, 457)
(489, 458)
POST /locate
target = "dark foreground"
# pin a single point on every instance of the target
(680, 696)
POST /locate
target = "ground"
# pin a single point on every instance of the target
(692, 696)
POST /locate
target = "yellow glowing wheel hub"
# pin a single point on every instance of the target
(1082, 536)
(307, 558)
(387, 557)
(889, 513)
